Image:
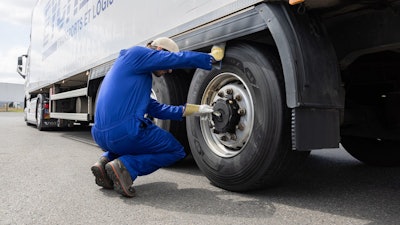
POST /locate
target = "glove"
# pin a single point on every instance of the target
(218, 51)
(295, 2)
(197, 110)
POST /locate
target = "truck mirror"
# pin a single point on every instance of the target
(20, 66)
(20, 61)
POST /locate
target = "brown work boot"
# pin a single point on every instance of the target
(121, 178)
(99, 171)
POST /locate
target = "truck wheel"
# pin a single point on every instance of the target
(371, 151)
(246, 144)
(39, 112)
(172, 89)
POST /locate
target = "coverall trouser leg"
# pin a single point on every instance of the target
(152, 149)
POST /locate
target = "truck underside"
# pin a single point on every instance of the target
(366, 38)
(295, 78)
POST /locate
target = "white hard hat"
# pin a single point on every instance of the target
(166, 43)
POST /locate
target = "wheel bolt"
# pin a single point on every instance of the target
(242, 112)
(221, 94)
(240, 127)
(238, 98)
(229, 91)
(233, 137)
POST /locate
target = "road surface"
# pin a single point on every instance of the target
(46, 179)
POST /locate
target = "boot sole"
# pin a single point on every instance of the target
(113, 174)
(101, 177)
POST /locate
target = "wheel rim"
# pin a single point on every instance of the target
(229, 128)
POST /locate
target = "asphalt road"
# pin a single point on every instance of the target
(45, 178)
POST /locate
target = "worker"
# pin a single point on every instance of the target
(134, 146)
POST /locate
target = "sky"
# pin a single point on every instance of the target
(15, 26)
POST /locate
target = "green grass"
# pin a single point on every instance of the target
(3, 109)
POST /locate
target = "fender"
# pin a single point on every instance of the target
(310, 66)
(312, 76)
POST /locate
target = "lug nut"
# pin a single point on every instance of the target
(229, 91)
(240, 127)
(233, 137)
(224, 138)
(221, 94)
(242, 112)
(238, 98)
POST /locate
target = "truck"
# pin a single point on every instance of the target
(297, 76)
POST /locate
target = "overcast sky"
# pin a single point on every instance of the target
(15, 16)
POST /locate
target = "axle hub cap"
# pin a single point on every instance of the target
(227, 117)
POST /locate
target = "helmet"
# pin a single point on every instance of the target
(166, 43)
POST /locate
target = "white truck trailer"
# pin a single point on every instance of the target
(297, 76)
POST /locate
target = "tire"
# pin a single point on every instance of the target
(371, 151)
(172, 89)
(252, 148)
(39, 112)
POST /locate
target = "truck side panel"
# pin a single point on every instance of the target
(69, 37)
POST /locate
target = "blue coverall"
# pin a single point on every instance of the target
(121, 128)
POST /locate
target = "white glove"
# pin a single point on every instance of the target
(197, 110)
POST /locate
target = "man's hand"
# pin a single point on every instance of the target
(218, 51)
(197, 110)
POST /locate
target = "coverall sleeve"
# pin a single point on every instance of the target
(164, 111)
(148, 60)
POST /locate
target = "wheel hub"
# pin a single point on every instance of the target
(225, 116)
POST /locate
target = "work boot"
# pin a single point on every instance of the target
(99, 171)
(121, 178)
